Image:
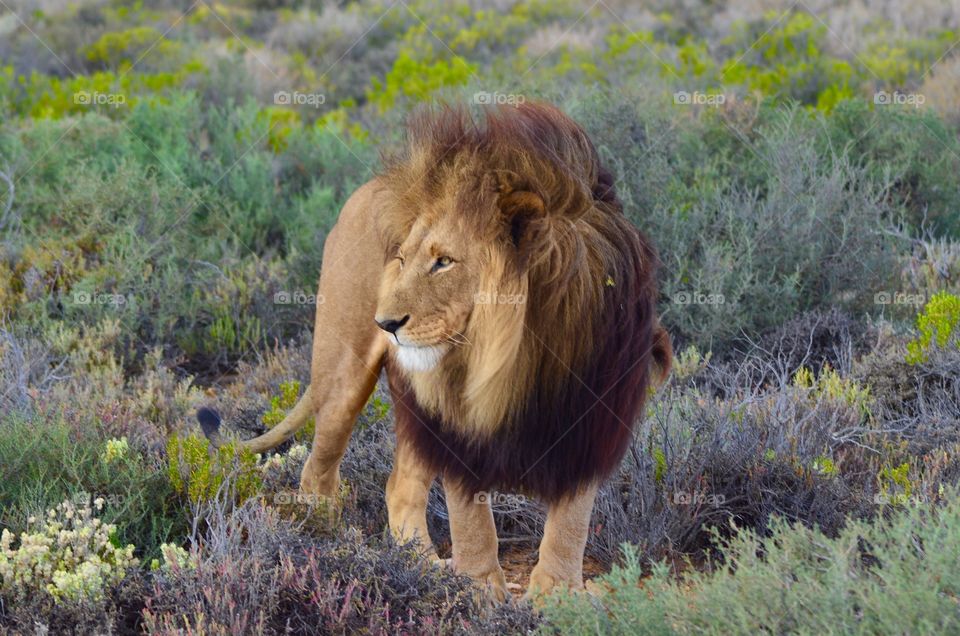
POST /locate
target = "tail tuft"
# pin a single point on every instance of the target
(210, 422)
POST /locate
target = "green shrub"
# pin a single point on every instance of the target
(124, 48)
(895, 486)
(936, 323)
(831, 385)
(914, 154)
(414, 79)
(131, 210)
(891, 576)
(203, 474)
(44, 461)
(753, 227)
(787, 61)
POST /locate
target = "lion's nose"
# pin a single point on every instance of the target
(390, 325)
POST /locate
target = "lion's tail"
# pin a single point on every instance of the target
(210, 422)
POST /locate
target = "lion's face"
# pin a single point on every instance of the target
(428, 291)
(470, 240)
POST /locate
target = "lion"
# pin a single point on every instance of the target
(490, 271)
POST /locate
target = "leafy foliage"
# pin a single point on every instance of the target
(204, 474)
(794, 580)
(936, 324)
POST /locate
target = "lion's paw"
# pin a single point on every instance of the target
(319, 486)
(542, 584)
(495, 585)
(489, 581)
(594, 589)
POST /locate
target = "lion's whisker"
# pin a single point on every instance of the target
(458, 338)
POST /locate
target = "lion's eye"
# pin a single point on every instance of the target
(441, 263)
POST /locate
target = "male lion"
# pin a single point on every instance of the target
(491, 271)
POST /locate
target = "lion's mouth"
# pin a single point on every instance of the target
(418, 357)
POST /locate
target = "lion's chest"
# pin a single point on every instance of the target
(440, 394)
(551, 448)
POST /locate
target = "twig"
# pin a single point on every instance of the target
(9, 206)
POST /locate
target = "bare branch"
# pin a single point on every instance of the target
(9, 206)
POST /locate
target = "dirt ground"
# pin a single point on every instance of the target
(518, 561)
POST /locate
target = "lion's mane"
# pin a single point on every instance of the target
(544, 397)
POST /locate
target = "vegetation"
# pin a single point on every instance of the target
(936, 324)
(168, 175)
(203, 473)
(886, 577)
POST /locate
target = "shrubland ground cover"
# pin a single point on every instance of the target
(168, 174)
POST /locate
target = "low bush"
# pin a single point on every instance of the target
(937, 323)
(280, 404)
(137, 204)
(44, 461)
(814, 339)
(753, 220)
(68, 568)
(258, 573)
(203, 474)
(893, 576)
(70, 556)
(753, 438)
(918, 402)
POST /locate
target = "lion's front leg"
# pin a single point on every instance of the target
(474, 537)
(564, 540)
(408, 489)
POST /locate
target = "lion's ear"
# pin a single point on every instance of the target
(523, 212)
